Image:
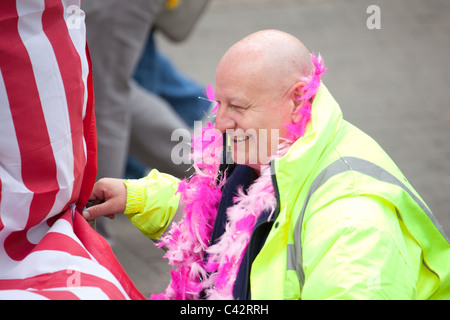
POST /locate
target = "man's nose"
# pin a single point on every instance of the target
(223, 121)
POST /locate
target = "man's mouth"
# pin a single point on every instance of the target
(240, 139)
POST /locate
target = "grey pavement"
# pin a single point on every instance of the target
(392, 82)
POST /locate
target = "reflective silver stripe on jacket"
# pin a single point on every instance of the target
(294, 251)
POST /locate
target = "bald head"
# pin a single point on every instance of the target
(271, 55)
(258, 84)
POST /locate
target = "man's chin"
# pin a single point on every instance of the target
(247, 162)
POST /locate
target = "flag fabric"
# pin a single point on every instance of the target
(48, 159)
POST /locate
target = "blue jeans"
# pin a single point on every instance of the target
(157, 74)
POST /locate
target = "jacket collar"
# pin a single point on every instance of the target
(292, 170)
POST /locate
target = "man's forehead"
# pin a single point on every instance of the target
(232, 96)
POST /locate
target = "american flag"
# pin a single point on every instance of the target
(48, 159)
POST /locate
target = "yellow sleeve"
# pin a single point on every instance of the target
(152, 202)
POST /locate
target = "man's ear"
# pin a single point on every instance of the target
(296, 95)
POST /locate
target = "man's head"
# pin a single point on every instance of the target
(258, 84)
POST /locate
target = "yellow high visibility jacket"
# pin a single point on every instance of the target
(348, 224)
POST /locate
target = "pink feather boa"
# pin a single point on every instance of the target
(188, 241)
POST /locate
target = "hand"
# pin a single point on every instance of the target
(109, 197)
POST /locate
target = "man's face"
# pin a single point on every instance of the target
(253, 112)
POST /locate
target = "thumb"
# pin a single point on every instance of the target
(99, 210)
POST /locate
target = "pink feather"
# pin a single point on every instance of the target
(297, 130)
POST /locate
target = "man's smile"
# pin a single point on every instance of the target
(239, 139)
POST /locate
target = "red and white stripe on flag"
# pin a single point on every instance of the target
(48, 159)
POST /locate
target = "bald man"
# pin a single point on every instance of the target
(258, 83)
(289, 201)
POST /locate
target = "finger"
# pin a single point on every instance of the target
(99, 210)
(87, 215)
(97, 195)
(98, 191)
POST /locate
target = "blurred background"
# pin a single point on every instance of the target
(392, 82)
